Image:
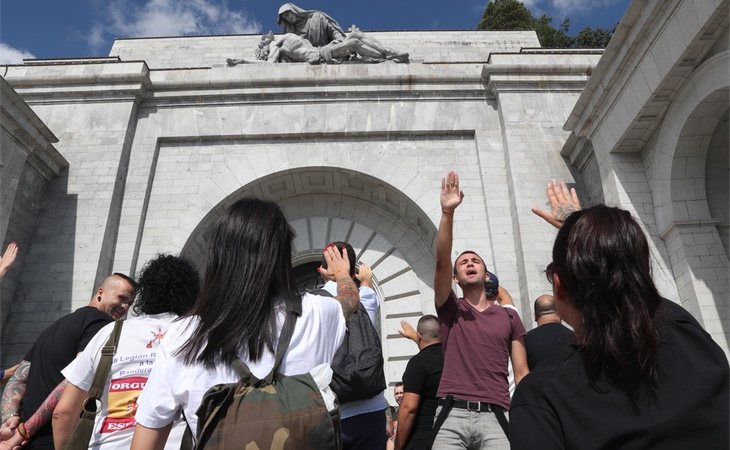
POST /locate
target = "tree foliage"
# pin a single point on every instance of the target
(512, 15)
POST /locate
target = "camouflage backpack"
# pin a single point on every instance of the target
(278, 412)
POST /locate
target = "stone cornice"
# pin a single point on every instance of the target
(23, 125)
(538, 69)
(652, 52)
(95, 80)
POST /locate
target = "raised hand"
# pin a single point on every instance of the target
(407, 331)
(365, 275)
(451, 196)
(563, 201)
(338, 265)
(8, 258)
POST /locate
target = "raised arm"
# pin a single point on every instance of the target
(365, 275)
(338, 269)
(451, 198)
(563, 201)
(407, 331)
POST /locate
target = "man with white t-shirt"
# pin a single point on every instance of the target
(364, 420)
(168, 286)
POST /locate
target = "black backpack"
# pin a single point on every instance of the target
(358, 364)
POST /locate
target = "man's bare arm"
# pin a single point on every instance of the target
(519, 359)
(338, 268)
(66, 414)
(14, 391)
(451, 197)
(406, 418)
(44, 413)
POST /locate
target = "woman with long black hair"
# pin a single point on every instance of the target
(239, 314)
(644, 374)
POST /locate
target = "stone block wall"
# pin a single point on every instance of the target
(28, 163)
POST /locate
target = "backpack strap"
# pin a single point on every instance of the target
(84, 428)
(293, 310)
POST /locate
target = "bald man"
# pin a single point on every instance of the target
(550, 334)
(420, 385)
(33, 391)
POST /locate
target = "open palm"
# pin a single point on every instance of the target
(451, 195)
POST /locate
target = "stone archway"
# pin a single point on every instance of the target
(386, 228)
(698, 258)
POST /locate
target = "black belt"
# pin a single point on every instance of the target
(471, 405)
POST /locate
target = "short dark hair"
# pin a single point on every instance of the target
(428, 327)
(128, 279)
(470, 252)
(398, 384)
(167, 284)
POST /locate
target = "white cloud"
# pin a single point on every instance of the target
(566, 6)
(179, 17)
(11, 55)
(170, 18)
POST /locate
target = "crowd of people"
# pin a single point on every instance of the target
(630, 370)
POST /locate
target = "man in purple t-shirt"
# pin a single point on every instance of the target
(478, 337)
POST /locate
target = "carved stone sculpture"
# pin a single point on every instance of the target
(314, 37)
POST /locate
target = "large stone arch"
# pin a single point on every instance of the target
(683, 140)
(388, 230)
(698, 258)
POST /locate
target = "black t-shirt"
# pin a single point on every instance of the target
(422, 377)
(546, 340)
(555, 406)
(54, 349)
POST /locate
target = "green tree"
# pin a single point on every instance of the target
(512, 15)
(553, 37)
(593, 37)
(506, 15)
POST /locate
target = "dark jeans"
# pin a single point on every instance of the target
(364, 432)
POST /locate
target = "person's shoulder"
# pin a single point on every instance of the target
(89, 312)
(312, 303)
(451, 303)
(547, 379)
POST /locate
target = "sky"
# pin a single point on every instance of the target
(87, 28)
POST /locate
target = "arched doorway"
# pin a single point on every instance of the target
(388, 230)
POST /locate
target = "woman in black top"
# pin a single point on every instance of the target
(643, 374)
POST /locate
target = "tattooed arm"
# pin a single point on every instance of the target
(338, 268)
(44, 412)
(14, 391)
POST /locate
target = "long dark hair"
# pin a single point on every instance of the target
(167, 284)
(249, 268)
(602, 258)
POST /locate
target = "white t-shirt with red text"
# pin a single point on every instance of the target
(131, 365)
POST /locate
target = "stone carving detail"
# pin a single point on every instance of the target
(314, 37)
